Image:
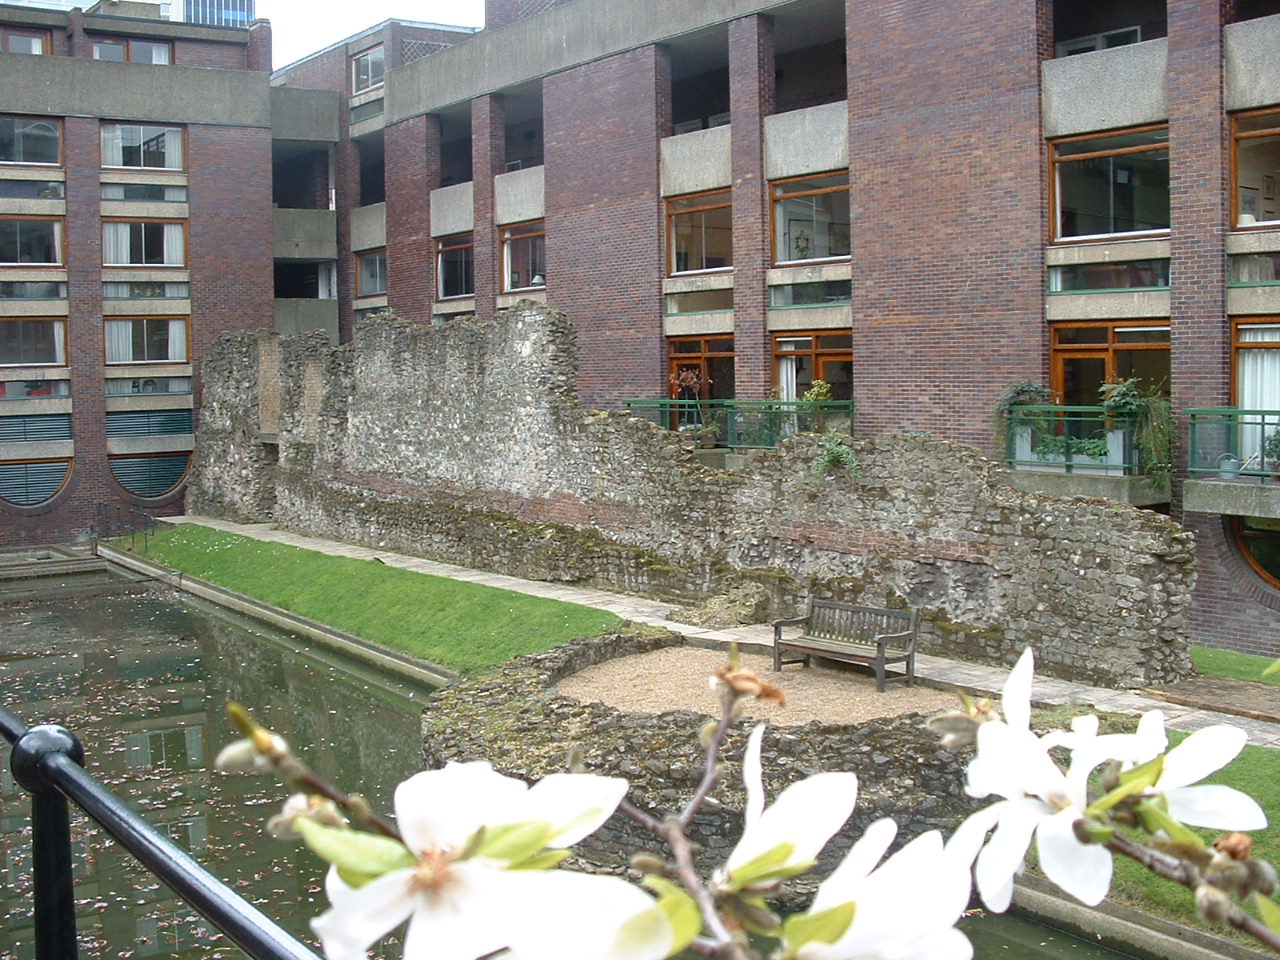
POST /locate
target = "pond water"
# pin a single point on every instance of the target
(143, 682)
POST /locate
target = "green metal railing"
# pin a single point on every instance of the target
(745, 424)
(1235, 444)
(1070, 439)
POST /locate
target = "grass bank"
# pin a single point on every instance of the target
(466, 627)
(1213, 662)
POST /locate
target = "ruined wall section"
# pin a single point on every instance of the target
(465, 443)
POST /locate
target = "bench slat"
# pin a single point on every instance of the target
(853, 633)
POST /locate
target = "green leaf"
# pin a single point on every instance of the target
(674, 915)
(1148, 773)
(359, 857)
(1154, 818)
(769, 865)
(1269, 910)
(1275, 665)
(512, 843)
(825, 926)
(540, 861)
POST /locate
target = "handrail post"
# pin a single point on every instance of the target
(55, 903)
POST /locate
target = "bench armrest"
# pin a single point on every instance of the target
(786, 622)
(882, 640)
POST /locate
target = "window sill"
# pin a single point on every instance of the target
(1112, 237)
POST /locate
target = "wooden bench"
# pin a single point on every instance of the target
(841, 631)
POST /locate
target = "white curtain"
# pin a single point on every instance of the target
(115, 243)
(112, 145)
(59, 342)
(119, 341)
(1258, 386)
(173, 148)
(174, 254)
(178, 341)
(786, 378)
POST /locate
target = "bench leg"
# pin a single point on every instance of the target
(777, 656)
(911, 670)
(878, 666)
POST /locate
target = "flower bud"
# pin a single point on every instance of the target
(1262, 876)
(1213, 905)
(1235, 845)
(649, 863)
(319, 809)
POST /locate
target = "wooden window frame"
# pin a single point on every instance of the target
(453, 242)
(55, 122)
(60, 236)
(1238, 345)
(1055, 214)
(1107, 349)
(1272, 131)
(42, 35)
(155, 221)
(671, 214)
(700, 359)
(819, 355)
(132, 362)
(39, 505)
(386, 284)
(508, 234)
(127, 43)
(52, 364)
(356, 89)
(775, 199)
(157, 126)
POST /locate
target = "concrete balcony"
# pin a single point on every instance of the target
(305, 234)
(305, 316)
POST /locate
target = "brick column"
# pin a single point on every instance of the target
(412, 172)
(488, 159)
(751, 89)
(1199, 207)
(346, 193)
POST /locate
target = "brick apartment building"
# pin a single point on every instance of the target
(916, 203)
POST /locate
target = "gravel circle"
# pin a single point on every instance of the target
(677, 678)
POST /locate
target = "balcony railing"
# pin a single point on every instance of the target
(1234, 444)
(745, 424)
(47, 762)
(1070, 439)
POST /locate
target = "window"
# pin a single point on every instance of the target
(455, 265)
(30, 240)
(31, 189)
(143, 243)
(150, 476)
(700, 231)
(27, 389)
(1099, 41)
(700, 301)
(1259, 541)
(30, 140)
(1086, 355)
(811, 218)
(128, 386)
(27, 484)
(141, 145)
(34, 428)
(1253, 269)
(32, 290)
(801, 358)
(372, 270)
(146, 340)
(367, 69)
(1108, 184)
(1255, 167)
(23, 41)
(145, 192)
(145, 290)
(366, 111)
(148, 423)
(1123, 275)
(136, 51)
(25, 342)
(820, 293)
(706, 361)
(524, 256)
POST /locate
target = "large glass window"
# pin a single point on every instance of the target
(30, 140)
(143, 243)
(141, 145)
(30, 483)
(372, 273)
(1123, 275)
(367, 70)
(23, 41)
(27, 389)
(524, 256)
(820, 293)
(1086, 355)
(701, 368)
(145, 290)
(27, 342)
(801, 358)
(455, 265)
(146, 340)
(700, 231)
(811, 218)
(136, 51)
(30, 240)
(32, 290)
(1108, 184)
(1255, 167)
(150, 476)
(145, 192)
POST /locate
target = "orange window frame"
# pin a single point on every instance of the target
(1054, 161)
(60, 232)
(776, 196)
(1272, 130)
(723, 201)
(1106, 348)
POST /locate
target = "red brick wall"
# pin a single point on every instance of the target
(1231, 606)
(946, 189)
(605, 220)
(221, 56)
(412, 172)
(488, 157)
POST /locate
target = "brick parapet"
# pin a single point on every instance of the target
(412, 172)
(488, 159)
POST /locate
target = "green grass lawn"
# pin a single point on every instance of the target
(1227, 663)
(463, 626)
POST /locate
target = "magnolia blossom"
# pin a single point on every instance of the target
(786, 838)
(904, 909)
(469, 882)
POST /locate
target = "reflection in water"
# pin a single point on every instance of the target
(143, 683)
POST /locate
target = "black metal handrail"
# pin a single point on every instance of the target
(47, 762)
(119, 519)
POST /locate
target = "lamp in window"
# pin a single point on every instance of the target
(538, 280)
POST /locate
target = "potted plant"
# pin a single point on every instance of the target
(1271, 452)
(1150, 416)
(688, 385)
(1012, 431)
(819, 392)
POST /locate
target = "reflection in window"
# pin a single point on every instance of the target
(29, 341)
(145, 192)
(1125, 275)
(31, 241)
(29, 140)
(367, 70)
(31, 189)
(127, 386)
(1255, 158)
(1110, 184)
(28, 389)
(811, 218)
(456, 265)
(700, 301)
(145, 290)
(524, 256)
(700, 231)
(372, 273)
(141, 145)
(146, 340)
(32, 290)
(821, 293)
(1259, 541)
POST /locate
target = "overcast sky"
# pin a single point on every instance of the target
(300, 27)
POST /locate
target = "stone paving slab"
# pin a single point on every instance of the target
(937, 671)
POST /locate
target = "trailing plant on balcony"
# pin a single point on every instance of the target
(1151, 416)
(1271, 449)
(1020, 393)
(819, 392)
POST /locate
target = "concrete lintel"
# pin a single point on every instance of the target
(1245, 497)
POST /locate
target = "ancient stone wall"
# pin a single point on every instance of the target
(465, 443)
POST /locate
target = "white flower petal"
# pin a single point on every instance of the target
(843, 882)
(467, 918)
(561, 915)
(805, 815)
(1217, 807)
(576, 803)
(1081, 869)
(1201, 754)
(752, 776)
(1015, 698)
(968, 838)
(1002, 857)
(361, 916)
(441, 809)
